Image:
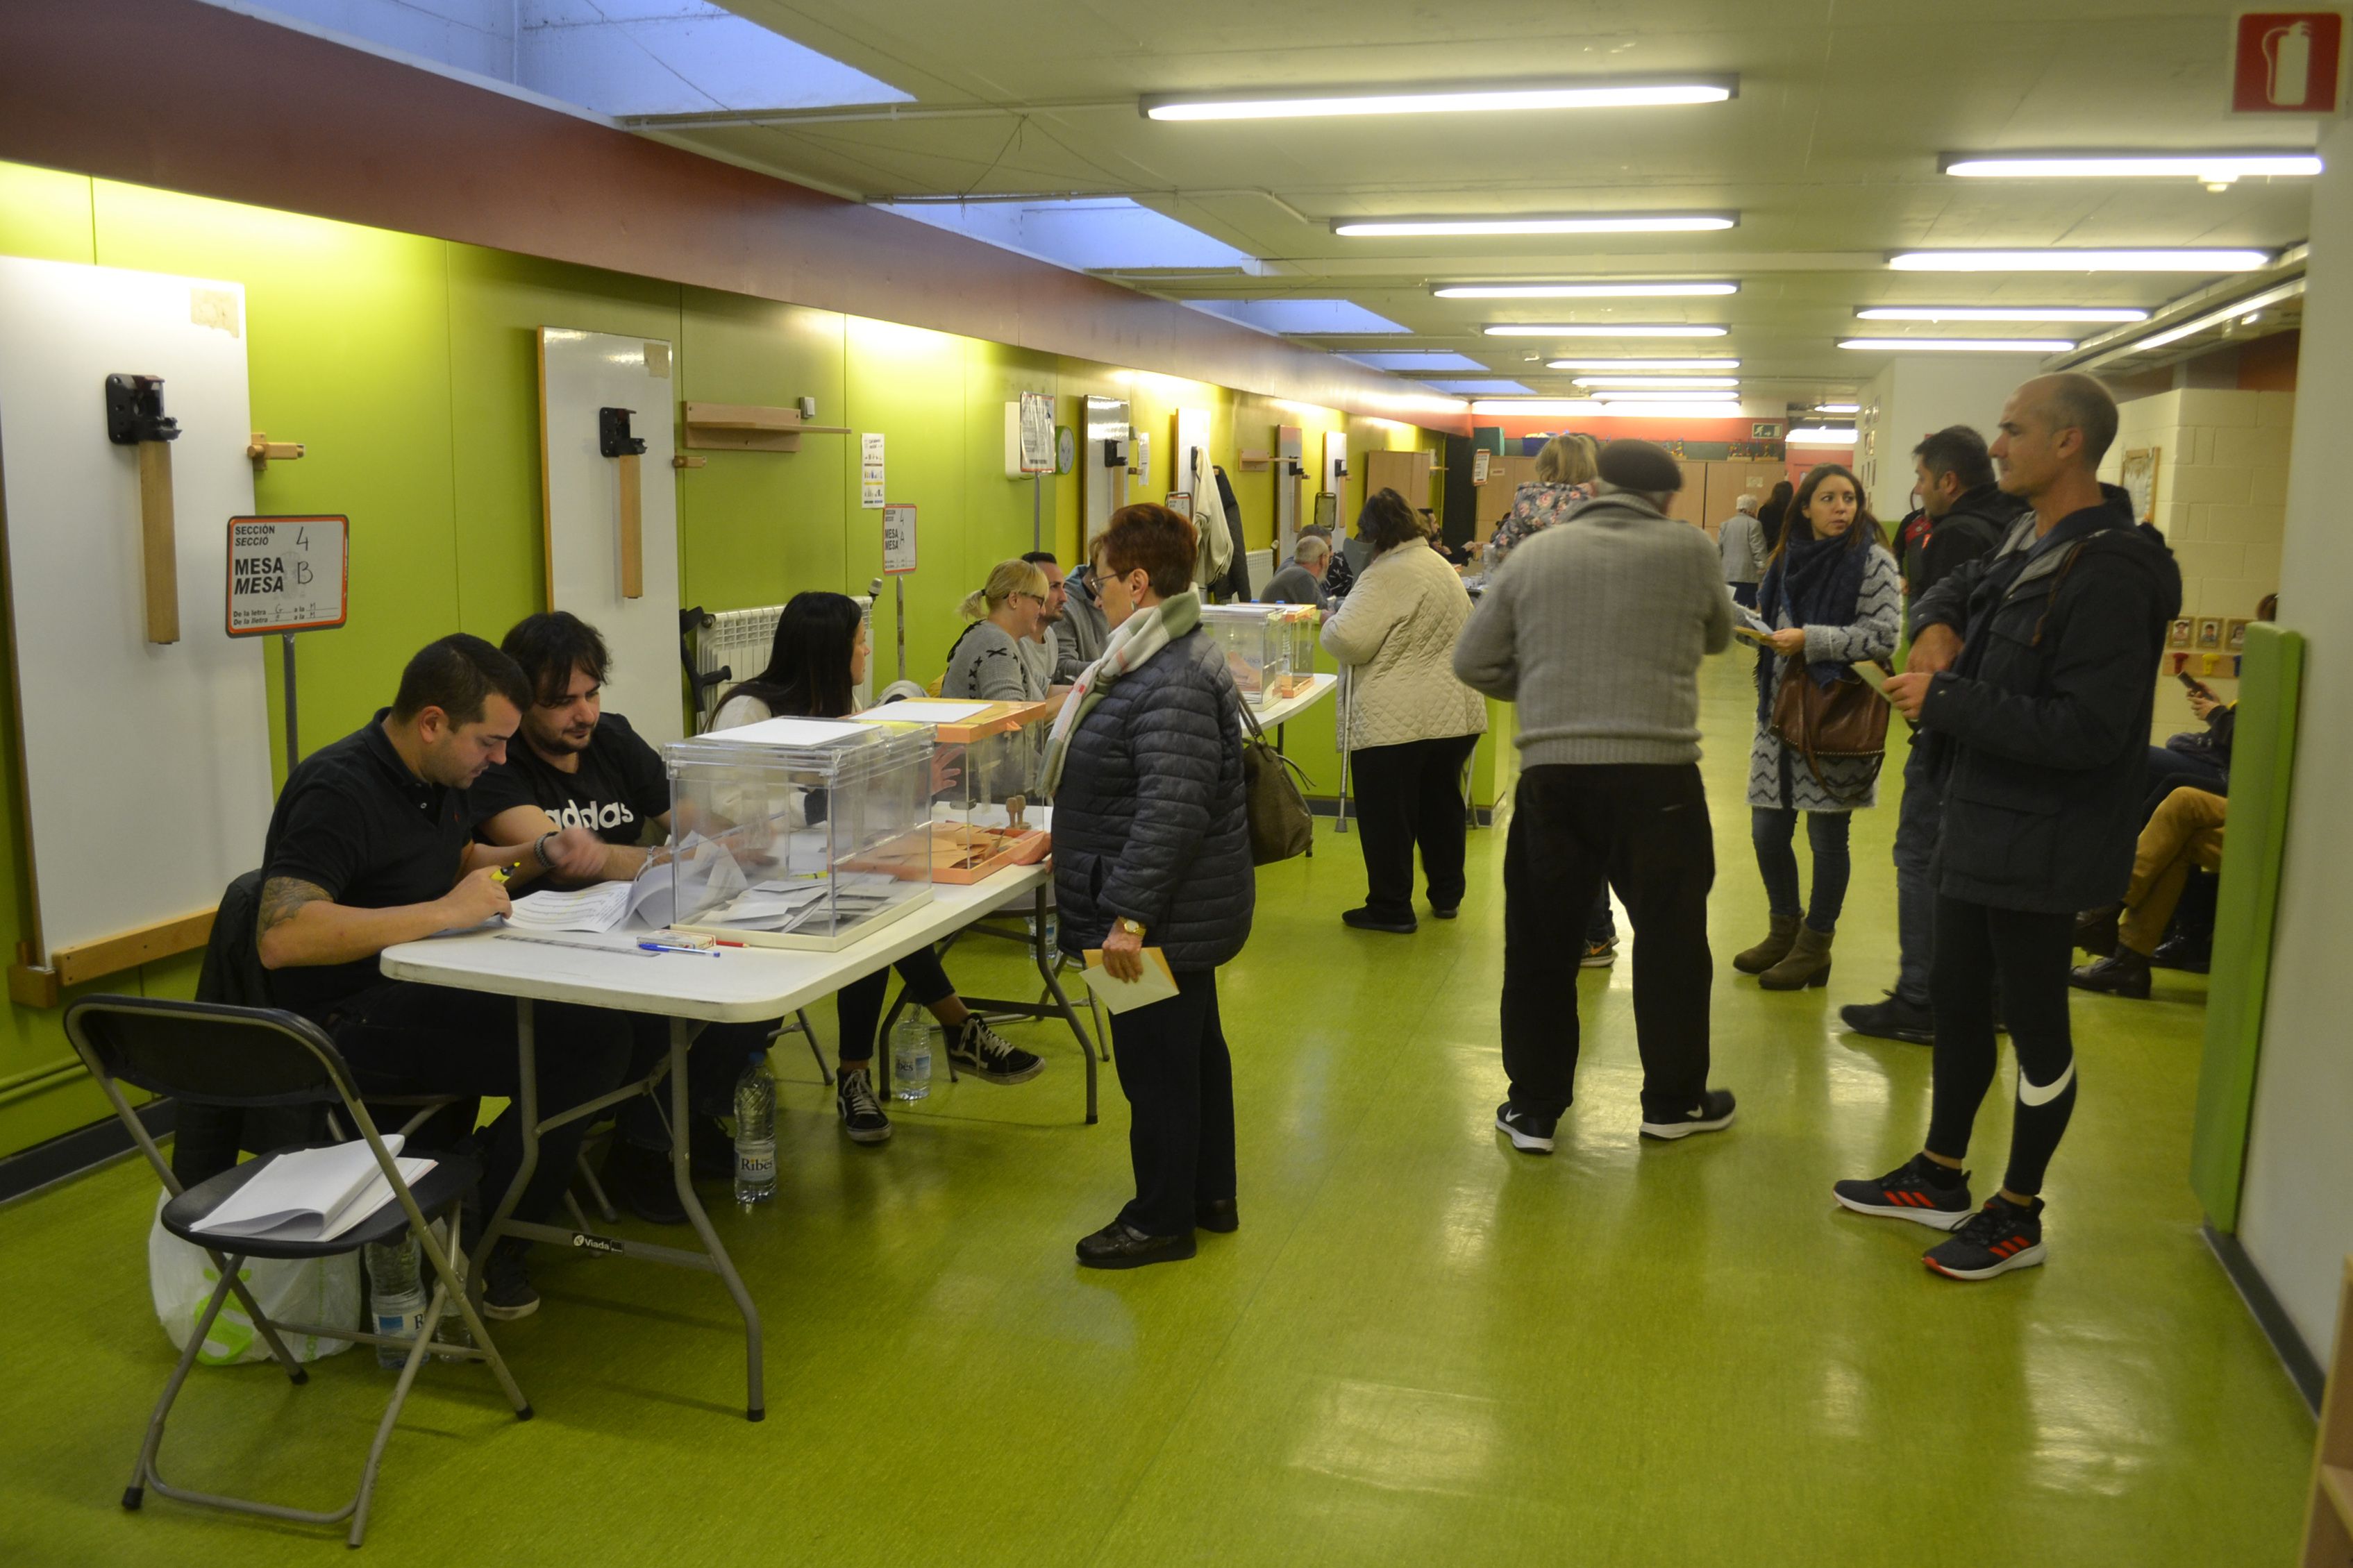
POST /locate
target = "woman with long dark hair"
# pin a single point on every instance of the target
(1831, 597)
(814, 663)
(1770, 515)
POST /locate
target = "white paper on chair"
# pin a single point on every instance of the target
(311, 1194)
(1158, 984)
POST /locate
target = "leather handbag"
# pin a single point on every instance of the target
(1280, 825)
(1846, 719)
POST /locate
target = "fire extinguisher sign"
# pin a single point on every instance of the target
(2288, 62)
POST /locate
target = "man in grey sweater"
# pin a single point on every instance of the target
(1596, 629)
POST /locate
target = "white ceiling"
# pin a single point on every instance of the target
(1828, 154)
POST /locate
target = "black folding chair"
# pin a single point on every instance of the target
(207, 1053)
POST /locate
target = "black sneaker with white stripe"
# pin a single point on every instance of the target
(986, 1055)
(1712, 1114)
(1529, 1134)
(1999, 1237)
(1919, 1190)
(861, 1114)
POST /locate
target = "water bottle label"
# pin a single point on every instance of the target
(755, 1164)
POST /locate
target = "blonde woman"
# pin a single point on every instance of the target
(1564, 477)
(986, 665)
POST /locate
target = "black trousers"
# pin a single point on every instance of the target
(1644, 828)
(1409, 796)
(405, 1038)
(714, 1062)
(1179, 1083)
(2027, 956)
(858, 1006)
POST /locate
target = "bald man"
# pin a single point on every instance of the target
(2032, 677)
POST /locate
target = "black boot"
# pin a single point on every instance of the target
(2124, 974)
(1894, 1019)
(2095, 930)
(2191, 954)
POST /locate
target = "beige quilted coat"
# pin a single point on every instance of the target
(1396, 632)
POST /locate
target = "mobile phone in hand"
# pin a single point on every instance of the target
(2194, 684)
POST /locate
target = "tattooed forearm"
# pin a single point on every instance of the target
(281, 897)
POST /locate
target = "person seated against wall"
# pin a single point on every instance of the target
(814, 664)
(371, 844)
(577, 796)
(987, 664)
(1339, 572)
(1085, 629)
(1301, 582)
(2185, 832)
(1565, 475)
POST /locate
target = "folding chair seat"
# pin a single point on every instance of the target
(253, 1059)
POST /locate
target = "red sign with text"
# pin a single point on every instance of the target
(2287, 62)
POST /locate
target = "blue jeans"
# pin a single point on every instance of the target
(1917, 816)
(1773, 830)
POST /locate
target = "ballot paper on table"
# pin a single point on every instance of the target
(311, 1194)
(1158, 984)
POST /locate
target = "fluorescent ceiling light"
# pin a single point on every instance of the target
(1610, 365)
(2152, 260)
(1586, 409)
(1608, 223)
(2000, 313)
(1571, 330)
(1838, 407)
(1959, 345)
(1819, 436)
(1660, 395)
(1584, 93)
(2216, 317)
(1581, 290)
(1686, 382)
(2211, 168)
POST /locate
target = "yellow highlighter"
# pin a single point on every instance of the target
(501, 875)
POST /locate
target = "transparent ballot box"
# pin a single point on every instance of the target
(983, 783)
(1303, 629)
(1254, 642)
(800, 832)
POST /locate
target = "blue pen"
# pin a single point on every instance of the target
(671, 947)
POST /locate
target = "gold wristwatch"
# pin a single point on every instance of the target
(1133, 928)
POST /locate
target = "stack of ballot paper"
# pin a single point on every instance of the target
(311, 1194)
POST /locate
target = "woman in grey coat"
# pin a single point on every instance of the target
(1831, 595)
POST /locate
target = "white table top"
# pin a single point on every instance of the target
(1288, 708)
(741, 985)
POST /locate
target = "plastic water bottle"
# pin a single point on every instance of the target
(398, 1296)
(452, 1327)
(755, 1132)
(911, 1057)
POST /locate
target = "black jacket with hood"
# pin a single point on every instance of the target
(2040, 730)
(1977, 523)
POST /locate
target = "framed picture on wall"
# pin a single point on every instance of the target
(2139, 479)
(2181, 633)
(1765, 430)
(2209, 633)
(2234, 633)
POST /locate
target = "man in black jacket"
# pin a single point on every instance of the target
(2032, 677)
(1969, 516)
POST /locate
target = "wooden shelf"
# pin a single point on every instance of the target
(750, 427)
(2329, 1516)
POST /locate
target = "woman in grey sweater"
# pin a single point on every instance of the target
(986, 665)
(1831, 597)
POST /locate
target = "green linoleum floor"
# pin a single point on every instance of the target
(1419, 1347)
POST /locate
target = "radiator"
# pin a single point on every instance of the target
(734, 645)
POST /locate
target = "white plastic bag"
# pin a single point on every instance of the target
(324, 1291)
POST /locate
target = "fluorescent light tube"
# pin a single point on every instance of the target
(1588, 409)
(2215, 318)
(1580, 291)
(1661, 394)
(2218, 168)
(1610, 365)
(1587, 93)
(2000, 313)
(1838, 407)
(1571, 330)
(2151, 260)
(1820, 437)
(1683, 383)
(1959, 345)
(1609, 223)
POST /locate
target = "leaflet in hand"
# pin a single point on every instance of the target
(1748, 624)
(1156, 983)
(311, 1194)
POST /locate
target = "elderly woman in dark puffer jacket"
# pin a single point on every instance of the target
(1152, 849)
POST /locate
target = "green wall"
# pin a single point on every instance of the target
(408, 367)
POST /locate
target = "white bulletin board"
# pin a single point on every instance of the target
(580, 372)
(145, 766)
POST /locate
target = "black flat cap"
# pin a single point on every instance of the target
(1639, 466)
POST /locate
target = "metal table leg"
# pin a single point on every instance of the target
(1034, 937)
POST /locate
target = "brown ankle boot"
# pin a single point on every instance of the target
(1771, 951)
(1809, 964)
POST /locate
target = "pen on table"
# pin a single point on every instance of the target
(675, 947)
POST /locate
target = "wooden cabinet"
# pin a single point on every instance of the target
(1408, 473)
(1505, 475)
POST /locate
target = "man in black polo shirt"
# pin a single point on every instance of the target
(571, 802)
(372, 845)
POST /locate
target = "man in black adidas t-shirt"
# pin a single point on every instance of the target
(574, 799)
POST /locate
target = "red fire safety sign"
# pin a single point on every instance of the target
(2287, 62)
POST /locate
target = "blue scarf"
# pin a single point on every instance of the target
(1819, 581)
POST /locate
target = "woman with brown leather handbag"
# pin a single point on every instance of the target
(1831, 597)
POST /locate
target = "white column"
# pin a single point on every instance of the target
(2296, 1217)
(1917, 395)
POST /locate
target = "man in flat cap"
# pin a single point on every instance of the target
(1596, 629)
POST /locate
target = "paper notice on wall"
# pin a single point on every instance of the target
(870, 472)
(898, 540)
(869, 497)
(869, 447)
